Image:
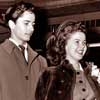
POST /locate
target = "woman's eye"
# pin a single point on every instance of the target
(77, 42)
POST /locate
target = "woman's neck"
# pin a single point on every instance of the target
(76, 64)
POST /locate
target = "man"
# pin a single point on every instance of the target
(19, 73)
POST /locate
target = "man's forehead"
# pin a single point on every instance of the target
(28, 17)
(26, 13)
(26, 20)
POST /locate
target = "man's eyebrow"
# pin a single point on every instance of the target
(77, 39)
(27, 20)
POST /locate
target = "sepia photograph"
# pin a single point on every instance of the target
(49, 49)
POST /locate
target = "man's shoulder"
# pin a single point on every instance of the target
(39, 56)
(2, 46)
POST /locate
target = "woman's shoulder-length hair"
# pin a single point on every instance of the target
(56, 43)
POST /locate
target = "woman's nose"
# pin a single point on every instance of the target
(82, 45)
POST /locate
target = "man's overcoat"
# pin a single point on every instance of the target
(17, 78)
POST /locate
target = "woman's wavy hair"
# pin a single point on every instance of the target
(56, 43)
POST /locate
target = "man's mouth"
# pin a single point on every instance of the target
(29, 34)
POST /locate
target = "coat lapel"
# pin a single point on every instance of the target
(31, 55)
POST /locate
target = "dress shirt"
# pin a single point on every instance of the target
(25, 45)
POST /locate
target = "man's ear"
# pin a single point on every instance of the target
(11, 24)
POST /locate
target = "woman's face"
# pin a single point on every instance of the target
(76, 46)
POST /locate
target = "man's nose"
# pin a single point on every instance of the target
(31, 28)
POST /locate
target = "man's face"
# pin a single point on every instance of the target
(24, 27)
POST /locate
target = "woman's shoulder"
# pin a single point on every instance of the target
(50, 69)
(86, 64)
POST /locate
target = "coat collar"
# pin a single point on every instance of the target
(8, 46)
(31, 54)
(67, 65)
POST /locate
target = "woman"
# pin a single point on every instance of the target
(71, 78)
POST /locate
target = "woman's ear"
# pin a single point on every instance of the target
(11, 24)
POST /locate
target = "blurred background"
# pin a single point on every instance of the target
(53, 12)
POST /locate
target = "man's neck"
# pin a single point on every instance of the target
(17, 44)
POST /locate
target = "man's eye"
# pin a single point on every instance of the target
(26, 23)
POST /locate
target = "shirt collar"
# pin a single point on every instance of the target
(12, 40)
(80, 67)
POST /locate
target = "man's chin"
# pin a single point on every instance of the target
(27, 39)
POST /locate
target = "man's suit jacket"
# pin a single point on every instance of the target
(17, 79)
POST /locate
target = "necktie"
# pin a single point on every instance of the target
(23, 51)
